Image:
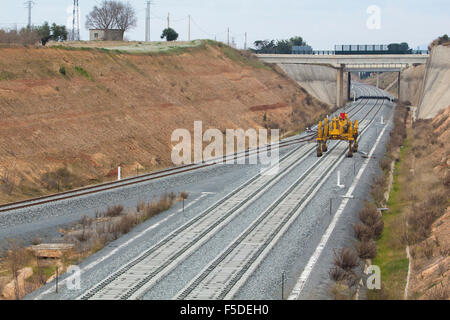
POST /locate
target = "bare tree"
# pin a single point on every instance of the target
(112, 15)
(126, 19)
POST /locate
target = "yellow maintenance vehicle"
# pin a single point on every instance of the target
(337, 129)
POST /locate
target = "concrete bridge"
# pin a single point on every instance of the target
(350, 63)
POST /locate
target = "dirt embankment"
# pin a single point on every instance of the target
(320, 81)
(86, 111)
(430, 223)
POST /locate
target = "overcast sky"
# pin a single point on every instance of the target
(322, 23)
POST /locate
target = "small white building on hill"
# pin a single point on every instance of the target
(106, 35)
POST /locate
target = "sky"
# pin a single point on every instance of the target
(321, 23)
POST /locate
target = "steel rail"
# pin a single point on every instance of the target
(144, 178)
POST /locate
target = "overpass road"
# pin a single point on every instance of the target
(240, 230)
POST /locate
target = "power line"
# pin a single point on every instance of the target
(157, 17)
(205, 32)
(151, 15)
(178, 20)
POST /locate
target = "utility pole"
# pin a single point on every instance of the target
(245, 44)
(147, 23)
(78, 21)
(189, 28)
(168, 20)
(228, 36)
(29, 5)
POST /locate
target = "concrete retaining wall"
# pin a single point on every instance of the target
(436, 89)
(319, 81)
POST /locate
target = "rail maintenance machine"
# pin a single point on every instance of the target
(337, 129)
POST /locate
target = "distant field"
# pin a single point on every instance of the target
(131, 46)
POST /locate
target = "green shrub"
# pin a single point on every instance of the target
(83, 72)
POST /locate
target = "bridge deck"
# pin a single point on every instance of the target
(388, 62)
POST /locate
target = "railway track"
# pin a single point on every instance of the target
(228, 272)
(134, 279)
(150, 176)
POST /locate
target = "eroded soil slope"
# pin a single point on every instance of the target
(85, 112)
(430, 255)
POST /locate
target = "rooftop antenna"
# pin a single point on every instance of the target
(76, 21)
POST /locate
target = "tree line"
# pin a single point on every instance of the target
(277, 46)
(402, 47)
(34, 34)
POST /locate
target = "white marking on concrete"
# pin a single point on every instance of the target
(118, 173)
(339, 180)
(295, 294)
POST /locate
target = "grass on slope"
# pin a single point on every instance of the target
(139, 48)
(83, 73)
(391, 256)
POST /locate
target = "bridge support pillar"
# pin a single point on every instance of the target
(349, 86)
(340, 87)
(399, 80)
